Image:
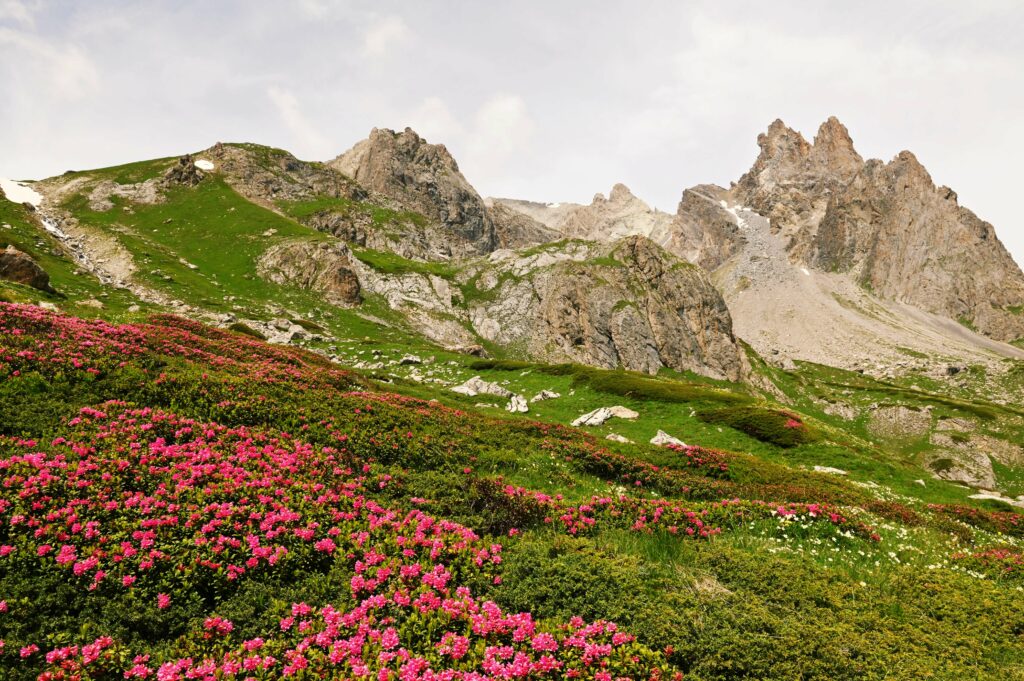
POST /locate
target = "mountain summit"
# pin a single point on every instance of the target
(425, 178)
(887, 225)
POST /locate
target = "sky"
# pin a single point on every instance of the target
(544, 100)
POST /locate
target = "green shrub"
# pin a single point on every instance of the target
(777, 427)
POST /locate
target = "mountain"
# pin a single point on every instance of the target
(619, 215)
(826, 257)
(885, 224)
(273, 418)
(424, 178)
(399, 235)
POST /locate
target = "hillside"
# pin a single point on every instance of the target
(184, 500)
(284, 417)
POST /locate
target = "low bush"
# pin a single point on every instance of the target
(774, 426)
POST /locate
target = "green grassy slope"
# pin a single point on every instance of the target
(767, 595)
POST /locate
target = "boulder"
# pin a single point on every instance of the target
(663, 439)
(517, 405)
(478, 386)
(545, 395)
(621, 412)
(594, 418)
(20, 268)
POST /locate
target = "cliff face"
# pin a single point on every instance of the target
(704, 231)
(906, 239)
(886, 224)
(628, 303)
(518, 230)
(424, 178)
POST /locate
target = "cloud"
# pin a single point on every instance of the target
(384, 34)
(494, 137)
(306, 135)
(63, 71)
(434, 121)
(502, 126)
(17, 11)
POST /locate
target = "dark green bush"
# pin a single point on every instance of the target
(773, 426)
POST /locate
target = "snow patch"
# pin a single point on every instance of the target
(805, 271)
(203, 164)
(553, 205)
(20, 193)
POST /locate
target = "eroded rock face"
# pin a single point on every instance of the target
(319, 266)
(424, 178)
(704, 232)
(899, 422)
(148, 192)
(908, 240)
(628, 304)
(20, 268)
(886, 224)
(620, 215)
(518, 230)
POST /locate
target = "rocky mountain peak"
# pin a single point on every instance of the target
(621, 214)
(833, 150)
(424, 178)
(787, 158)
(620, 193)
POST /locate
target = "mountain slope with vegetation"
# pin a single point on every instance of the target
(184, 500)
(265, 417)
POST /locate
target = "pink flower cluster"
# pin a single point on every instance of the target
(145, 500)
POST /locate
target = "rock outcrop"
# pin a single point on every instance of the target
(266, 175)
(518, 230)
(620, 215)
(629, 304)
(184, 173)
(905, 239)
(319, 266)
(20, 268)
(424, 178)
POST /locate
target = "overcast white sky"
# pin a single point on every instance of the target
(543, 100)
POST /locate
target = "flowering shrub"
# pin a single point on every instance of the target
(649, 515)
(775, 426)
(1003, 522)
(34, 339)
(166, 509)
(998, 563)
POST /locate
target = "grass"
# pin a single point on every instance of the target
(379, 216)
(621, 383)
(391, 263)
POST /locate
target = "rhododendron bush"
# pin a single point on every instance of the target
(148, 509)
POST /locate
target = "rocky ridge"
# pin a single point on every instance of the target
(885, 224)
(425, 178)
